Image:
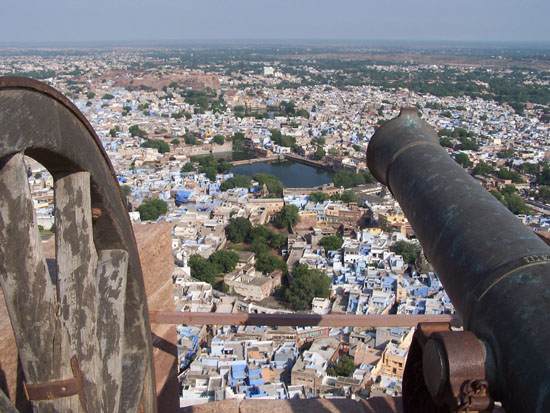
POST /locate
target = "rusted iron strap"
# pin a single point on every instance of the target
(59, 388)
(52, 390)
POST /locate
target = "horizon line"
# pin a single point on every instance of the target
(271, 42)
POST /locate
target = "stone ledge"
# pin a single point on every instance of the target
(374, 405)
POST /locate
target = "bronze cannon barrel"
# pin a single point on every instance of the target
(495, 270)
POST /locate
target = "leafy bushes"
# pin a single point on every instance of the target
(151, 209)
(158, 144)
(305, 285)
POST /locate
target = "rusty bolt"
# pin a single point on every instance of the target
(96, 214)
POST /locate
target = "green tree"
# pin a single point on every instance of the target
(467, 144)
(543, 177)
(218, 139)
(446, 142)
(333, 152)
(209, 171)
(112, 133)
(238, 181)
(259, 246)
(107, 96)
(274, 186)
(190, 140)
(332, 242)
(305, 285)
(225, 261)
(288, 216)
(497, 195)
(202, 269)
(319, 153)
(529, 168)
(483, 169)
(238, 141)
(126, 190)
(410, 251)
(516, 204)
(356, 148)
(505, 173)
(188, 167)
(318, 197)
(510, 200)
(344, 367)
(267, 263)
(544, 193)
(237, 229)
(152, 208)
(90, 95)
(157, 144)
(135, 130)
(277, 240)
(349, 179)
(463, 160)
(348, 197)
(259, 231)
(505, 154)
(175, 142)
(282, 140)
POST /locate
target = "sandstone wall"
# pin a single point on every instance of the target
(154, 243)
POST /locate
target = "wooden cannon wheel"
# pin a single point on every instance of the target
(94, 309)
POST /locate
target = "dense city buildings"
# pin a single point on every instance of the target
(177, 129)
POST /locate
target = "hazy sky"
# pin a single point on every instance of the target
(158, 20)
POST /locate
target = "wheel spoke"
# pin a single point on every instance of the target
(76, 280)
(112, 272)
(5, 405)
(28, 289)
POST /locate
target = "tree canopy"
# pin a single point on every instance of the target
(152, 208)
(505, 173)
(305, 285)
(282, 140)
(238, 181)
(202, 269)
(349, 179)
(334, 152)
(225, 261)
(218, 139)
(348, 197)
(267, 263)
(188, 167)
(238, 141)
(510, 200)
(483, 169)
(274, 186)
(190, 140)
(344, 367)
(319, 153)
(135, 130)
(237, 229)
(463, 160)
(318, 197)
(332, 242)
(158, 144)
(288, 216)
(410, 251)
(208, 270)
